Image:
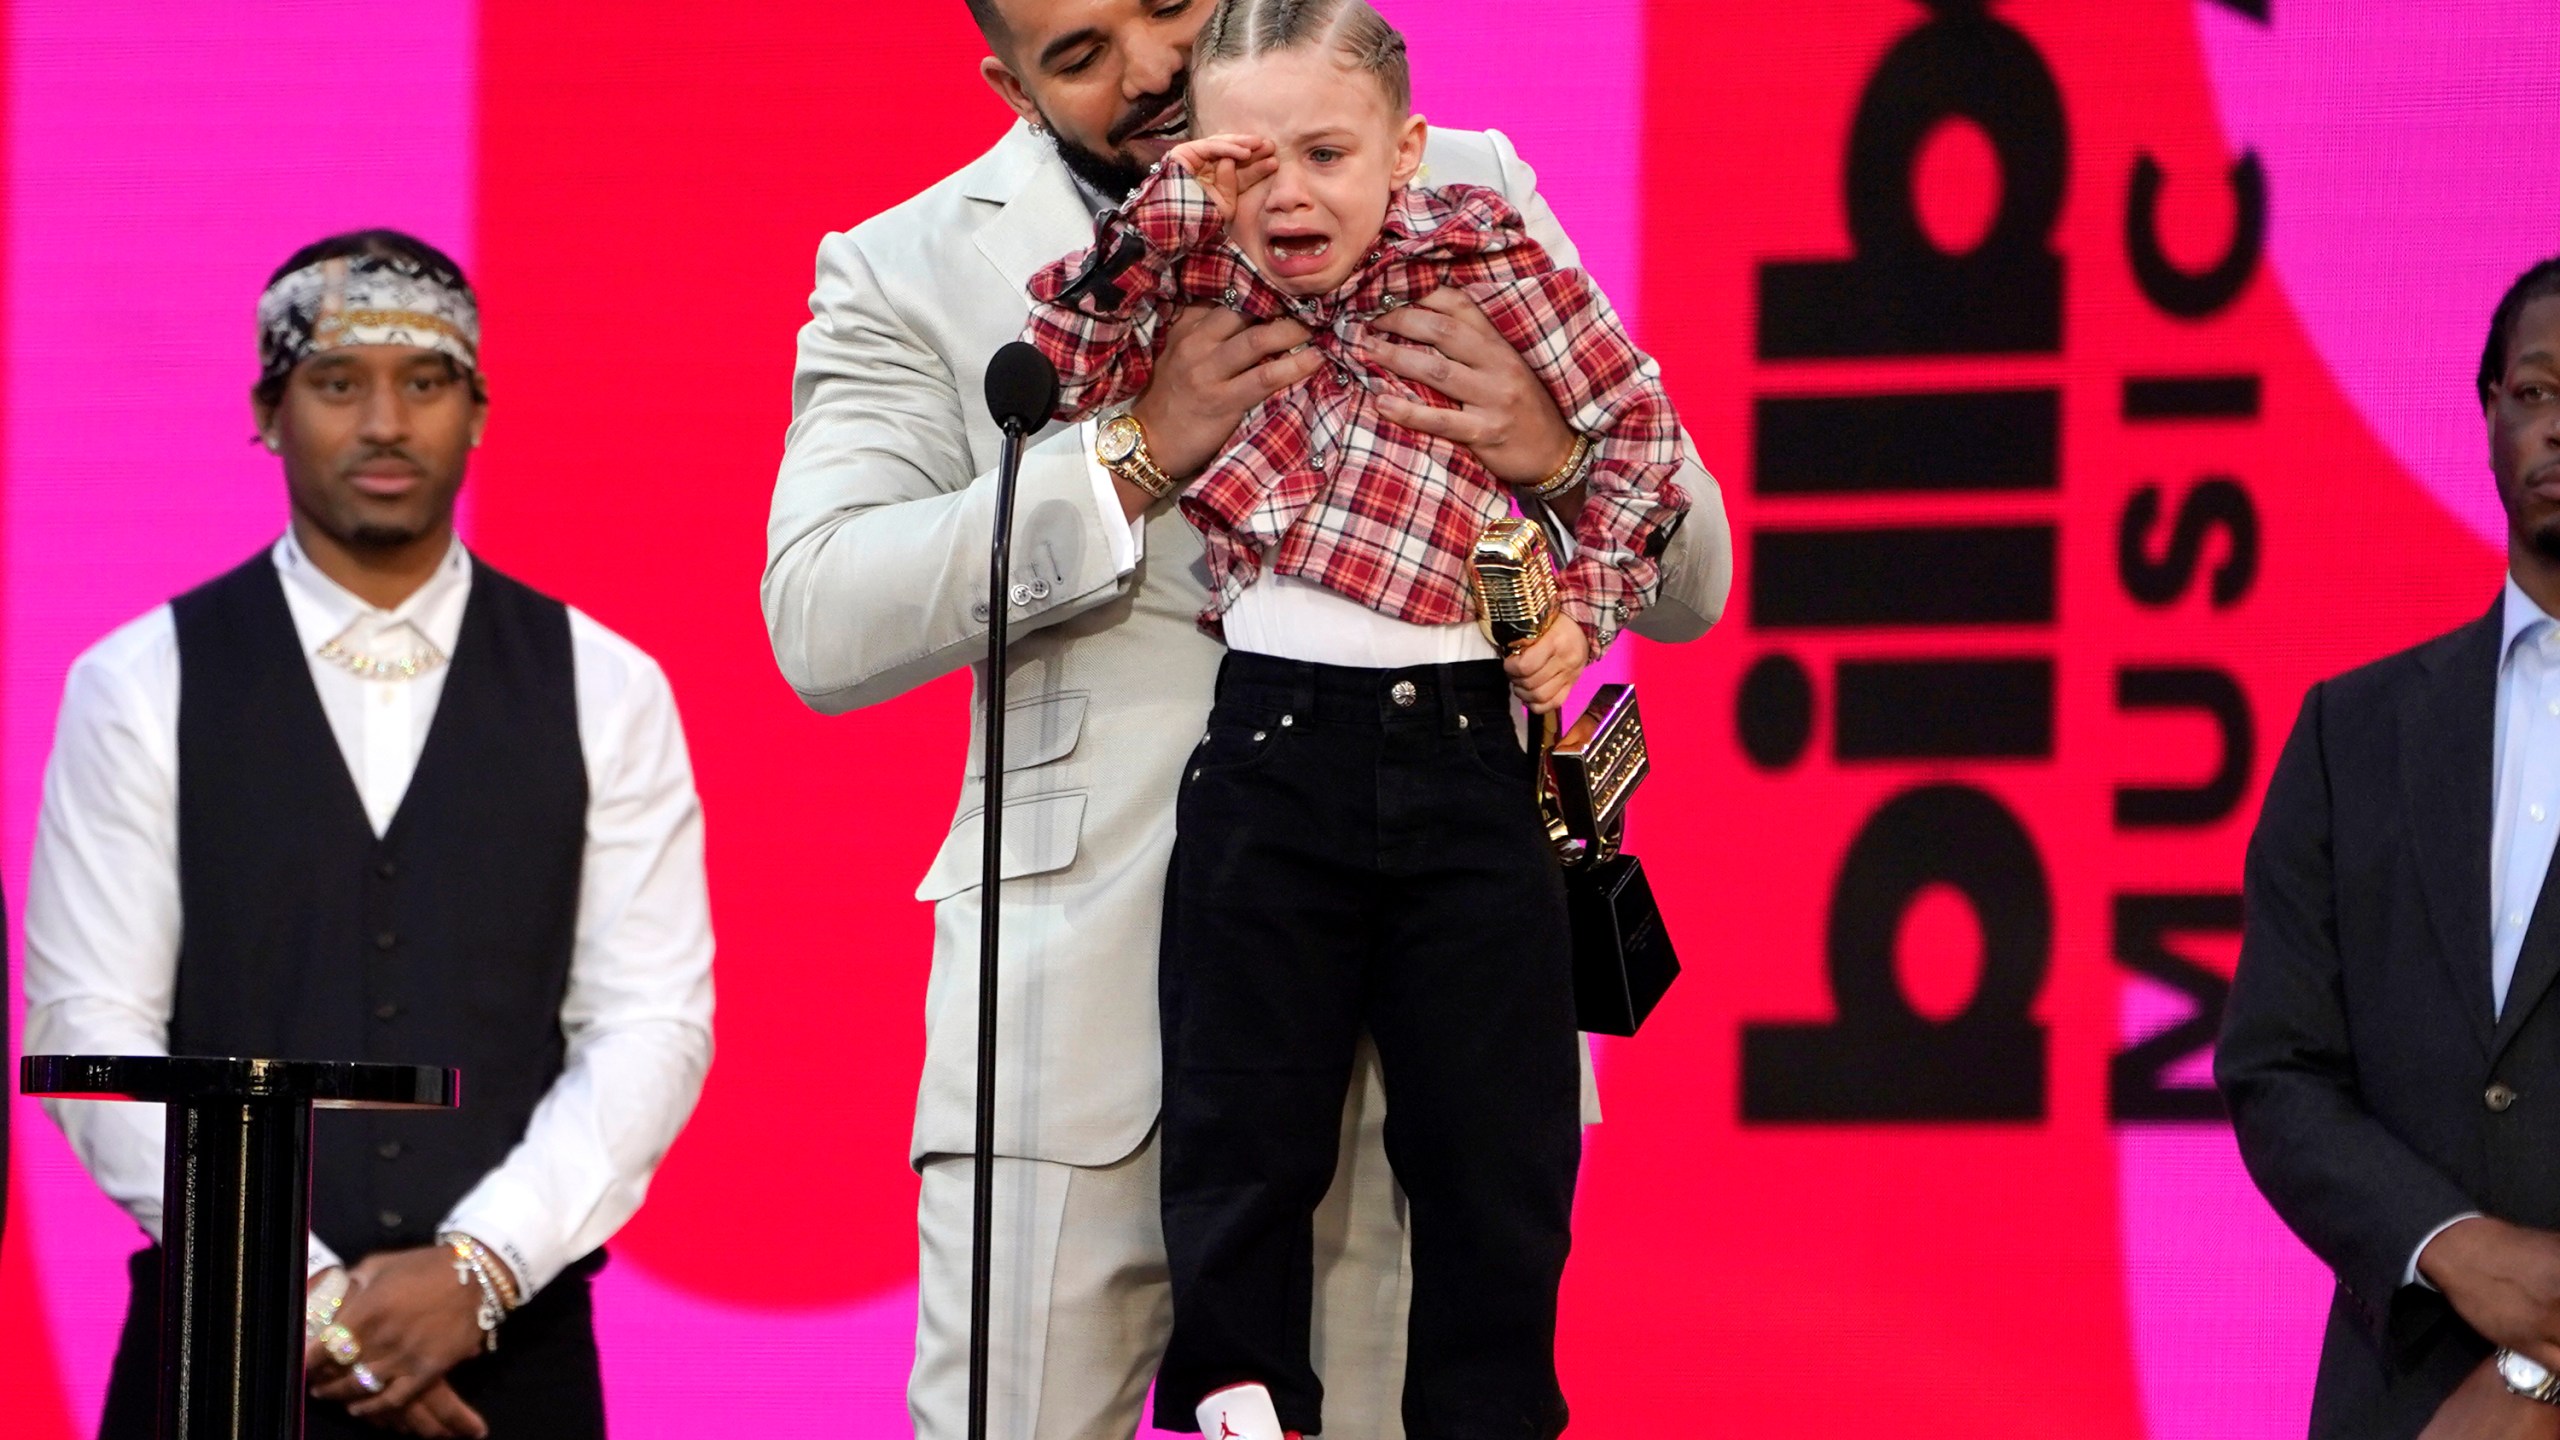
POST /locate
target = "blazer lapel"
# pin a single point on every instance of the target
(1043, 218)
(2536, 965)
(2446, 732)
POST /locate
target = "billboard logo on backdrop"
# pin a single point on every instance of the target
(1994, 575)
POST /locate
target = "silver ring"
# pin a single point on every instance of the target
(365, 1377)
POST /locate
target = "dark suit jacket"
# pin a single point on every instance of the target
(2366, 1071)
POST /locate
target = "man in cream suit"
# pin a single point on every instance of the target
(875, 582)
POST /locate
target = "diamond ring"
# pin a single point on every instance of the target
(365, 1377)
(339, 1344)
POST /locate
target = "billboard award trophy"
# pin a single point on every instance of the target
(1622, 957)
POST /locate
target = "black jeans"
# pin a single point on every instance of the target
(1361, 849)
(541, 1383)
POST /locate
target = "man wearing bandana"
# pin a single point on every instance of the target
(366, 798)
(875, 582)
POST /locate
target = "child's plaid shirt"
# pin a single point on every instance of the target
(1314, 477)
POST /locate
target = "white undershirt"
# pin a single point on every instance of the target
(103, 921)
(1294, 619)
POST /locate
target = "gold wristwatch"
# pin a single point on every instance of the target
(1120, 446)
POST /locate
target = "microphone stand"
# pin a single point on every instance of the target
(990, 909)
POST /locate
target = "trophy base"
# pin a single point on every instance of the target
(1622, 958)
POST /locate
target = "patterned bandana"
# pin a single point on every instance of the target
(363, 300)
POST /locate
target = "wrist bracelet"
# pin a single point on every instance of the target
(1569, 474)
(471, 1264)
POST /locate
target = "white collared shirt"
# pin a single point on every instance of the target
(2527, 781)
(103, 922)
(381, 725)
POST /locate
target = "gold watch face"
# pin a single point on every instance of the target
(1118, 440)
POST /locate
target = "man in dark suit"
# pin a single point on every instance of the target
(2391, 1051)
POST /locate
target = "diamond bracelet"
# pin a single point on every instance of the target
(471, 1263)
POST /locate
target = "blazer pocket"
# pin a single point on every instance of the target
(1036, 731)
(1040, 835)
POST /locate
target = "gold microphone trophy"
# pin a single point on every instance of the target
(1622, 956)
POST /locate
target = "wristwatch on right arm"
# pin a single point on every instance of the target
(2528, 1378)
(1120, 446)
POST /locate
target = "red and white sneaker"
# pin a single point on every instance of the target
(1241, 1412)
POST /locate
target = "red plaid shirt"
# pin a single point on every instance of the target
(1314, 478)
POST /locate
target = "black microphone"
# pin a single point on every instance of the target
(1022, 387)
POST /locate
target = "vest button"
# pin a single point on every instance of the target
(390, 1218)
(386, 870)
(386, 1011)
(385, 940)
(388, 1149)
(2498, 1098)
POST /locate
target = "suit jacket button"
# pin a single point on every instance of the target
(2498, 1098)
(390, 1219)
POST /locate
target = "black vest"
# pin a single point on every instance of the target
(445, 942)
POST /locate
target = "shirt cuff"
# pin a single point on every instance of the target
(322, 1258)
(1128, 541)
(504, 1216)
(2413, 1277)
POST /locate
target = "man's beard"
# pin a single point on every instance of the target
(2544, 539)
(1113, 174)
(363, 535)
(2536, 536)
(1110, 176)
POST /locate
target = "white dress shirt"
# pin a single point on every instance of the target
(2528, 780)
(2526, 794)
(103, 922)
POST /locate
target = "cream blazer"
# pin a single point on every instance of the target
(876, 581)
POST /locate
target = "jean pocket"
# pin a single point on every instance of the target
(1237, 740)
(1494, 748)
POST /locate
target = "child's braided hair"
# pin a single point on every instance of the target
(1239, 29)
